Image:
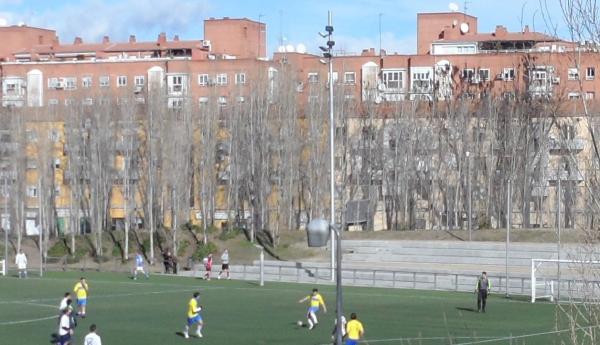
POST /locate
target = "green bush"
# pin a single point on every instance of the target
(202, 250)
(229, 234)
(183, 245)
(58, 249)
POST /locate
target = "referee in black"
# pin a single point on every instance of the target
(482, 289)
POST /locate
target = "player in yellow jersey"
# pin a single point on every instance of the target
(316, 300)
(193, 316)
(81, 290)
(354, 330)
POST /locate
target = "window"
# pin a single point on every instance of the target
(176, 83)
(88, 101)
(590, 95)
(313, 77)
(104, 81)
(484, 74)
(222, 101)
(69, 101)
(86, 82)
(392, 79)
(573, 74)
(32, 191)
(70, 83)
(349, 78)
(122, 81)
(590, 73)
(175, 103)
(139, 80)
(57, 163)
(468, 74)
(240, 78)
(53, 101)
(203, 101)
(241, 99)
(574, 95)
(508, 95)
(54, 83)
(221, 79)
(203, 79)
(508, 74)
(140, 100)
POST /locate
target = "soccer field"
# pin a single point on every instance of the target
(153, 311)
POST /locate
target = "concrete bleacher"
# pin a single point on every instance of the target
(449, 255)
(430, 265)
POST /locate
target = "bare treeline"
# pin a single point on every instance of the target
(260, 161)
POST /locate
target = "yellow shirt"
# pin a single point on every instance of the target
(316, 300)
(192, 308)
(354, 329)
(81, 290)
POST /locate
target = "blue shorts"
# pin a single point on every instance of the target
(195, 319)
(351, 341)
(82, 301)
(313, 310)
(63, 339)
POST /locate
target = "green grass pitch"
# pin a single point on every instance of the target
(153, 311)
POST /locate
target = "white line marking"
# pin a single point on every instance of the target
(28, 321)
(529, 335)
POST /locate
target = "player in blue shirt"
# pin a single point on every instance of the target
(139, 266)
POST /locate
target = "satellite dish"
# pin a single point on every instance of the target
(21, 23)
(464, 28)
(3, 22)
(281, 49)
(301, 48)
(453, 7)
(289, 48)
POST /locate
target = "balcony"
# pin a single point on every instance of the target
(575, 176)
(564, 146)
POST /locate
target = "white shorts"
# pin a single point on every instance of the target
(139, 269)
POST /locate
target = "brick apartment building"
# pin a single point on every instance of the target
(454, 60)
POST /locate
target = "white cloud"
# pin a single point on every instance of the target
(92, 19)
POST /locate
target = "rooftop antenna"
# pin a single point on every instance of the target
(466, 6)
(380, 15)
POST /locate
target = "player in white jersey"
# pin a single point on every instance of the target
(92, 338)
(139, 266)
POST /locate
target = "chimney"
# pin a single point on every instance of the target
(78, 40)
(500, 31)
(162, 38)
(526, 29)
(131, 38)
(105, 40)
(176, 38)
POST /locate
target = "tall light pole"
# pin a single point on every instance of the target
(508, 211)
(5, 194)
(470, 194)
(328, 54)
(318, 231)
(558, 221)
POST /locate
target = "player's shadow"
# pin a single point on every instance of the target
(180, 334)
(472, 310)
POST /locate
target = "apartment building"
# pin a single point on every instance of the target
(454, 60)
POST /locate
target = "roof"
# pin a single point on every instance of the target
(509, 36)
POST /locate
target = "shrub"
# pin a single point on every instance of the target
(202, 250)
(58, 249)
(228, 234)
(183, 245)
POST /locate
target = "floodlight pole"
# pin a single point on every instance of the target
(329, 54)
(338, 284)
(558, 221)
(508, 212)
(5, 215)
(470, 193)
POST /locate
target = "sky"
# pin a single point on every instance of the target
(357, 23)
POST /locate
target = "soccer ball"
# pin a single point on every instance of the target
(299, 323)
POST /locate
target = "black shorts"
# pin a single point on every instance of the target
(224, 266)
